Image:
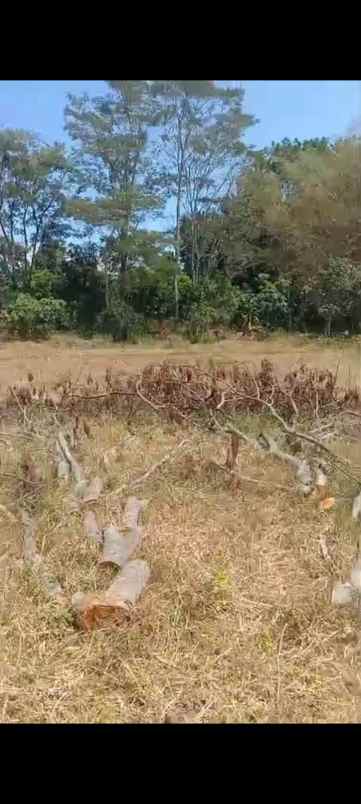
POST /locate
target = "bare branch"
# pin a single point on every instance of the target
(74, 466)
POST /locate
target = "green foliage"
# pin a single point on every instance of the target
(33, 183)
(214, 302)
(42, 284)
(335, 291)
(121, 322)
(29, 317)
(82, 286)
(271, 303)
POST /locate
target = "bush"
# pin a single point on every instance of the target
(212, 303)
(200, 319)
(268, 305)
(28, 317)
(42, 284)
(122, 322)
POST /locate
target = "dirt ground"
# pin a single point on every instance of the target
(66, 354)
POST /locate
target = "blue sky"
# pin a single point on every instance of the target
(300, 109)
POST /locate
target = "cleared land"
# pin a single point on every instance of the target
(60, 356)
(236, 624)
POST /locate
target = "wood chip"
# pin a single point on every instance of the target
(327, 503)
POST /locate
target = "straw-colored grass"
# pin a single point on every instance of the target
(236, 624)
(64, 354)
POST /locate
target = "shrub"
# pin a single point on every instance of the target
(268, 305)
(122, 322)
(214, 302)
(42, 284)
(28, 317)
(200, 318)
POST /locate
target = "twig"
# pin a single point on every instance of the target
(100, 396)
(226, 468)
(21, 479)
(156, 466)
(153, 468)
(148, 401)
(340, 464)
(22, 409)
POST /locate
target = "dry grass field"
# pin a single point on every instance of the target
(236, 624)
(65, 354)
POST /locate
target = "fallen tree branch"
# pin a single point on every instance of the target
(301, 466)
(137, 482)
(148, 401)
(34, 561)
(74, 466)
(235, 474)
(105, 395)
(339, 463)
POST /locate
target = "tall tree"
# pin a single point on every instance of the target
(33, 186)
(201, 128)
(114, 168)
(319, 216)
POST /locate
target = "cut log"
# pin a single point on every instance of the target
(118, 547)
(91, 527)
(342, 594)
(63, 470)
(356, 506)
(93, 490)
(355, 576)
(114, 605)
(130, 582)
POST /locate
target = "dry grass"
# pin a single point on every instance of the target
(66, 354)
(236, 624)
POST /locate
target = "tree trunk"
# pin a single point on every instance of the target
(193, 249)
(106, 276)
(177, 251)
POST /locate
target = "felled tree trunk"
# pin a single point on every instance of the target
(114, 605)
(118, 547)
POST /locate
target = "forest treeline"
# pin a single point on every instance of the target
(157, 211)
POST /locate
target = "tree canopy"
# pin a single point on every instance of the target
(158, 210)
